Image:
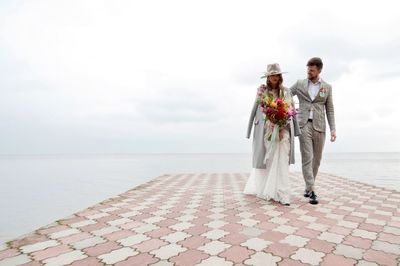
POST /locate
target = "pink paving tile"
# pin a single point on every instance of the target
(273, 236)
(321, 245)
(290, 262)
(157, 233)
(234, 239)
(74, 238)
(119, 235)
(354, 219)
(394, 239)
(236, 254)
(381, 258)
(189, 257)
(72, 220)
(332, 259)
(8, 253)
(140, 259)
(51, 252)
(267, 226)
(380, 217)
(108, 218)
(281, 250)
(93, 227)
(371, 227)
(53, 229)
(101, 248)
(90, 261)
(150, 245)
(326, 221)
(197, 230)
(30, 239)
(200, 220)
(232, 227)
(194, 242)
(340, 230)
(297, 223)
(308, 233)
(167, 222)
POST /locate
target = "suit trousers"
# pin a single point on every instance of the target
(311, 146)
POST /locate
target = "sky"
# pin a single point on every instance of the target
(80, 76)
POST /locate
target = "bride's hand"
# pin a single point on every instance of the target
(281, 133)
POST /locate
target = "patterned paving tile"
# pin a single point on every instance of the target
(205, 219)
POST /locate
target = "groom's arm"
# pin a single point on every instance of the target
(294, 88)
(330, 113)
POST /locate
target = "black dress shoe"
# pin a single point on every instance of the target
(307, 193)
(313, 198)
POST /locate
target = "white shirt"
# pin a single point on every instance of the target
(313, 89)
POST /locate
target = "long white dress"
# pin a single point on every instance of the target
(273, 182)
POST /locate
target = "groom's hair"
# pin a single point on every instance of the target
(315, 61)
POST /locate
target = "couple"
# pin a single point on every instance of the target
(269, 178)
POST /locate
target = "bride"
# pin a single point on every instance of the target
(269, 177)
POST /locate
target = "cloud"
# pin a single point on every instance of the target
(180, 76)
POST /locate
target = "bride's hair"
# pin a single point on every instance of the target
(279, 84)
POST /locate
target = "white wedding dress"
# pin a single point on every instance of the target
(273, 182)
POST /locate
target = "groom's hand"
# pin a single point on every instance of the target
(333, 136)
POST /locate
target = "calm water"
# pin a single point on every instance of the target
(37, 190)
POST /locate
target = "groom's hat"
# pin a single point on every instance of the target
(272, 69)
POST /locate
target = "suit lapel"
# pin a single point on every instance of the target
(305, 89)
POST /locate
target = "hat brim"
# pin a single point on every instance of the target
(264, 76)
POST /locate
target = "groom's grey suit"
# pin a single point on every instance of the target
(312, 138)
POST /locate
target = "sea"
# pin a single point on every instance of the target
(36, 190)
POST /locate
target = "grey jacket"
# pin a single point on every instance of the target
(322, 102)
(258, 148)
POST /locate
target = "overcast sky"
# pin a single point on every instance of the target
(181, 76)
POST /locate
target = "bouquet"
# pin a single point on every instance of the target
(277, 111)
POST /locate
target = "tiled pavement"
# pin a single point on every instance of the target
(205, 219)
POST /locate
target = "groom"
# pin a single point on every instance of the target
(315, 98)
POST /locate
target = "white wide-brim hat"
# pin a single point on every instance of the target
(273, 69)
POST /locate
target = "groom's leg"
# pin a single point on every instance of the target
(306, 149)
(318, 146)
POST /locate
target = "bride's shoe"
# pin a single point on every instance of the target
(286, 204)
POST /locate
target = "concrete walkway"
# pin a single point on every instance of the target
(205, 219)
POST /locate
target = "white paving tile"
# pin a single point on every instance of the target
(215, 261)
(16, 260)
(175, 237)
(117, 255)
(39, 246)
(308, 256)
(89, 242)
(133, 240)
(256, 243)
(64, 233)
(214, 247)
(294, 240)
(65, 258)
(215, 234)
(105, 230)
(82, 223)
(168, 251)
(262, 259)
